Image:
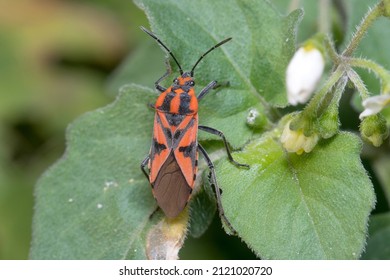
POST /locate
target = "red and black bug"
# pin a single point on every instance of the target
(173, 157)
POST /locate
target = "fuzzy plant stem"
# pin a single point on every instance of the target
(379, 70)
(361, 30)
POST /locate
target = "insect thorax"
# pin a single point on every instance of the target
(178, 100)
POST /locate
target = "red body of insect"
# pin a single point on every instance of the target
(174, 152)
(173, 157)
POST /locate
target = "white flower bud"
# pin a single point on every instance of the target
(303, 73)
(374, 104)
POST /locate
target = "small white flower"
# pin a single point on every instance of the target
(374, 104)
(303, 73)
(296, 142)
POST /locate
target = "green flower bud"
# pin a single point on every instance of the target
(373, 129)
(328, 124)
(328, 110)
(386, 7)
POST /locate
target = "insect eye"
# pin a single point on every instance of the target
(175, 81)
(191, 83)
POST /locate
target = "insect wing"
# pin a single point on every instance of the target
(160, 148)
(170, 188)
(186, 152)
(173, 169)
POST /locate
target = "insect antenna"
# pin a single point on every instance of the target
(162, 44)
(203, 55)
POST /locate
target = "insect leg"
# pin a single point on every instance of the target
(220, 134)
(167, 73)
(143, 164)
(210, 86)
(217, 189)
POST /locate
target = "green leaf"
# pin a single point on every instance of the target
(313, 206)
(254, 62)
(203, 205)
(95, 202)
(378, 243)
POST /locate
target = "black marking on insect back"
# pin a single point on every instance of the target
(177, 134)
(166, 106)
(158, 147)
(196, 162)
(166, 130)
(168, 133)
(194, 177)
(188, 150)
(174, 119)
(184, 108)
